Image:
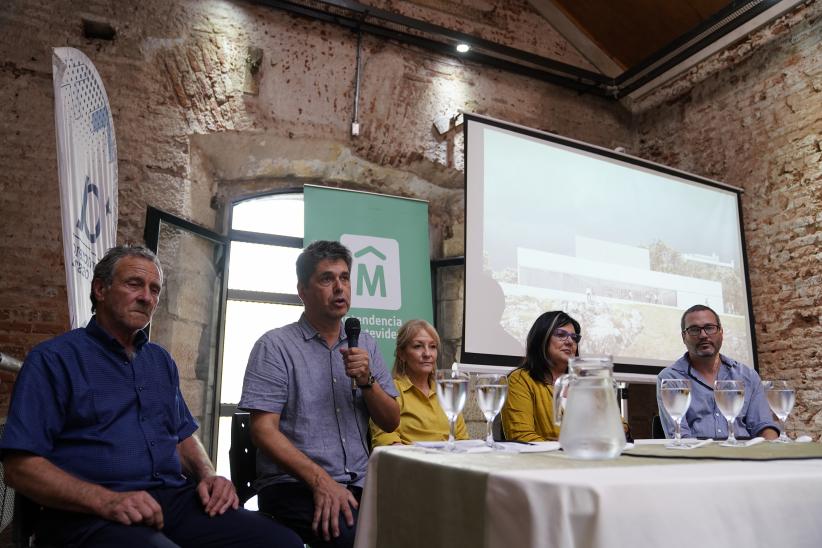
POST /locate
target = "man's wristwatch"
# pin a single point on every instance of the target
(369, 384)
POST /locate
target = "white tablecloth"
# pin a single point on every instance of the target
(562, 503)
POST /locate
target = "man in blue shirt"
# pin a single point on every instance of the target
(310, 398)
(703, 365)
(99, 435)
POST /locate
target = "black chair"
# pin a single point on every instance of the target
(657, 431)
(496, 428)
(18, 511)
(242, 456)
(26, 514)
(6, 496)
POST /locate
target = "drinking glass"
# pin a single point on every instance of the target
(452, 390)
(781, 397)
(491, 392)
(730, 396)
(676, 397)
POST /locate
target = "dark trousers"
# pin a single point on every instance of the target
(185, 524)
(292, 504)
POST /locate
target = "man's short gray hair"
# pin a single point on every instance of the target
(104, 270)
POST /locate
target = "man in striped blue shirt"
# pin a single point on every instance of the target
(311, 393)
(702, 364)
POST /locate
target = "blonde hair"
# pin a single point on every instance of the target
(404, 337)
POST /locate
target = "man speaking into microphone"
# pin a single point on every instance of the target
(311, 387)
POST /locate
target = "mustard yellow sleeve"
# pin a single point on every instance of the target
(380, 437)
(518, 420)
(461, 430)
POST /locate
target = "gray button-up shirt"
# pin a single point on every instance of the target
(703, 418)
(293, 372)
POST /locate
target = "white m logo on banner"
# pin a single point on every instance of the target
(375, 272)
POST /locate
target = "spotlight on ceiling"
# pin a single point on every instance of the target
(463, 48)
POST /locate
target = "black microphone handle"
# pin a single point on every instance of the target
(352, 333)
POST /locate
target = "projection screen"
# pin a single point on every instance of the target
(621, 244)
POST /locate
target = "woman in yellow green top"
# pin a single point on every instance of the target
(415, 363)
(528, 413)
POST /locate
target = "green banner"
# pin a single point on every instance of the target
(388, 239)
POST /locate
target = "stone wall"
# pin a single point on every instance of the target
(196, 124)
(217, 100)
(752, 117)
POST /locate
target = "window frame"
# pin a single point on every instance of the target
(245, 236)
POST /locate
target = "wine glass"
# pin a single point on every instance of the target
(452, 390)
(781, 398)
(730, 396)
(676, 397)
(491, 392)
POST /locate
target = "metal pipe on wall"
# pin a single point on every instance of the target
(9, 364)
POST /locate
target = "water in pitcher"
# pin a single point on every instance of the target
(591, 425)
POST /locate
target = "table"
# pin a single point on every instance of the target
(421, 497)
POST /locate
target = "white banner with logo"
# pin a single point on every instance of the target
(87, 166)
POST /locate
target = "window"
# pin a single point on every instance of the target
(266, 236)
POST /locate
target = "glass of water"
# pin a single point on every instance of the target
(491, 392)
(781, 398)
(730, 396)
(676, 397)
(452, 390)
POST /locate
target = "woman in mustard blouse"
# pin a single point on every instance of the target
(415, 362)
(528, 413)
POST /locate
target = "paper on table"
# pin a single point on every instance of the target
(661, 441)
(462, 445)
(753, 441)
(665, 441)
(690, 445)
(530, 447)
(478, 446)
(479, 449)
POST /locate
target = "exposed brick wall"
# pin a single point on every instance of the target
(752, 117)
(194, 129)
(176, 71)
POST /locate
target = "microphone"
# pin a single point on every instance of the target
(352, 333)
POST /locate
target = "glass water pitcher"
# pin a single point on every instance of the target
(585, 406)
